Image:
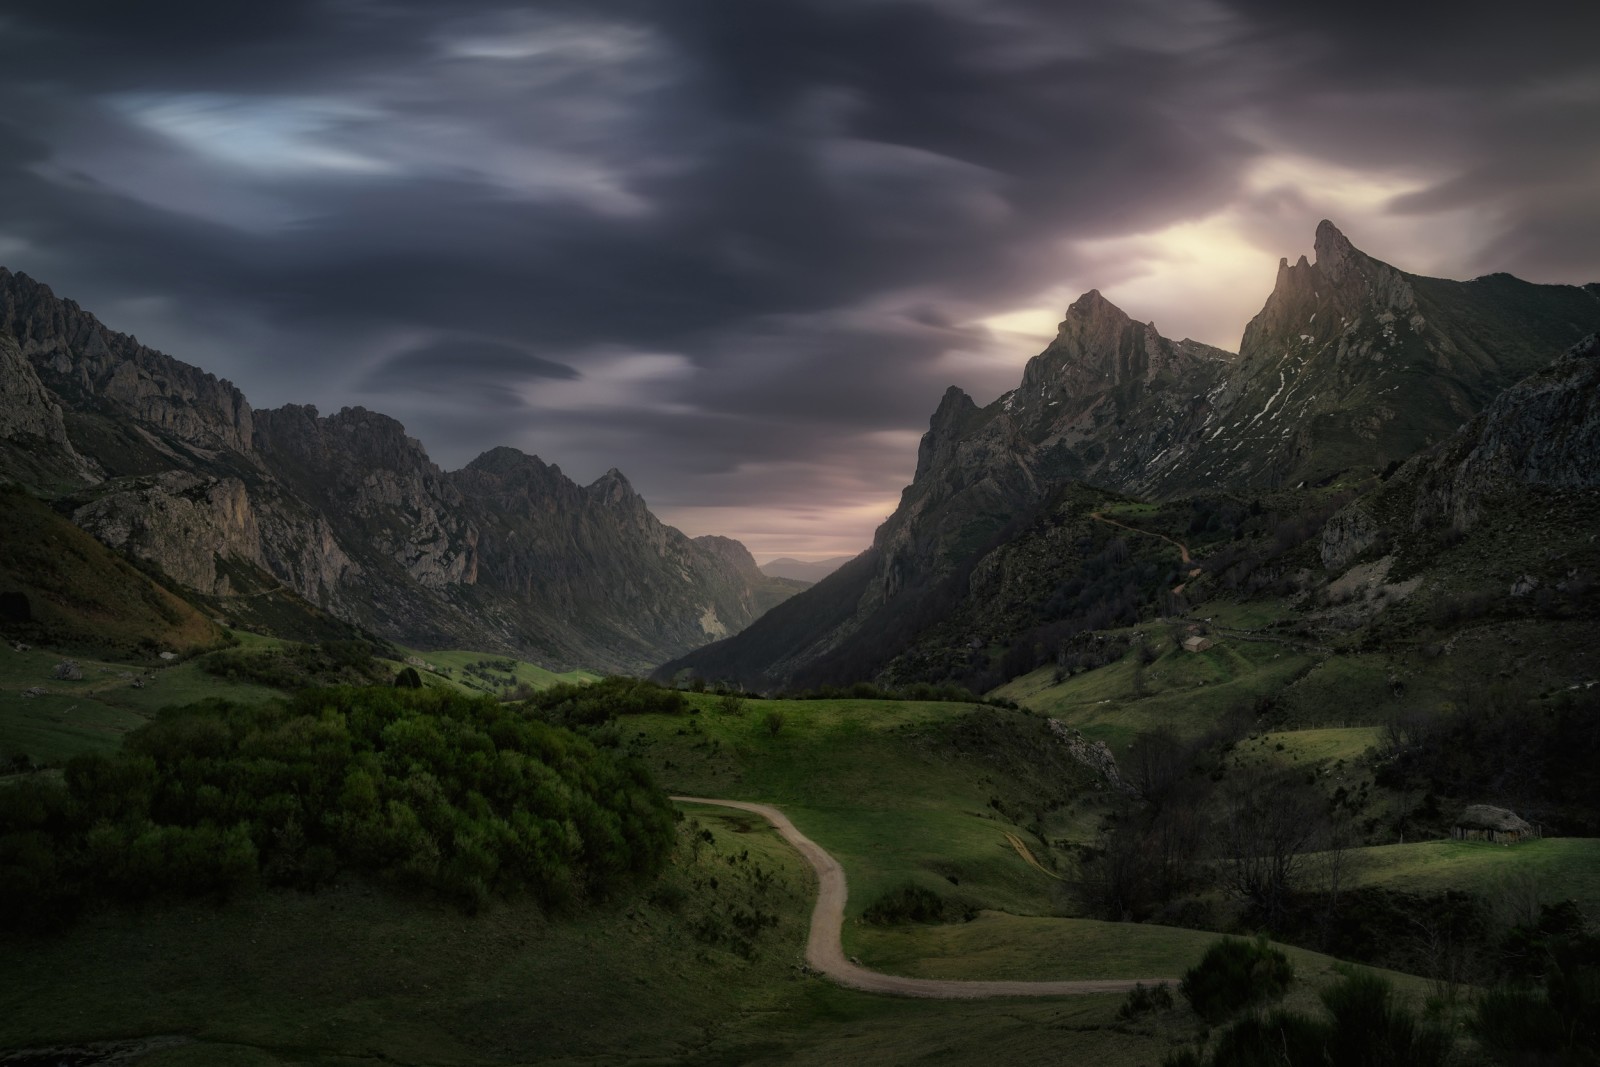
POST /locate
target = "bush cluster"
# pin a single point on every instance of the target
(456, 796)
(1364, 1027)
(596, 703)
(1234, 975)
(916, 904)
(300, 666)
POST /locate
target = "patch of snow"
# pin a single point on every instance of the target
(1270, 399)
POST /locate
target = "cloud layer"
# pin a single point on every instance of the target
(739, 249)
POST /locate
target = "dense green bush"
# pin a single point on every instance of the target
(458, 796)
(1235, 974)
(599, 702)
(916, 904)
(300, 666)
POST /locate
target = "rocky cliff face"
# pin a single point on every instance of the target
(34, 446)
(1537, 439)
(83, 361)
(1351, 365)
(173, 467)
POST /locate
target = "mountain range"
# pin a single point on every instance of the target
(804, 570)
(1352, 367)
(275, 519)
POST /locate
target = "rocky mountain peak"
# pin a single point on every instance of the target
(1336, 256)
(503, 460)
(1095, 307)
(956, 411)
(612, 487)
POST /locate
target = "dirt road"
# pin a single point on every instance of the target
(825, 949)
(1183, 549)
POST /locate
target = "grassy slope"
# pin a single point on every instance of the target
(354, 976)
(457, 660)
(898, 791)
(866, 780)
(84, 596)
(861, 778)
(1562, 868)
(93, 714)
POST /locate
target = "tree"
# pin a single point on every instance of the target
(1269, 820)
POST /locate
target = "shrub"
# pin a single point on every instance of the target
(916, 904)
(774, 723)
(599, 702)
(1235, 974)
(1363, 1028)
(1146, 999)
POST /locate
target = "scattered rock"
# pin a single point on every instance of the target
(1095, 755)
(169, 655)
(34, 691)
(1524, 585)
(67, 671)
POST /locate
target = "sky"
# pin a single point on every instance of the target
(739, 248)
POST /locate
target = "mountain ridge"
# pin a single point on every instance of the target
(1112, 404)
(172, 466)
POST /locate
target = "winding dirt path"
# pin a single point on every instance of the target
(825, 948)
(1183, 549)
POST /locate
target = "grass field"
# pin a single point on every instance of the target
(357, 976)
(1184, 691)
(493, 681)
(93, 713)
(1001, 946)
(900, 792)
(878, 783)
(1559, 868)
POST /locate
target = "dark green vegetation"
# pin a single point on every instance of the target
(1234, 975)
(302, 666)
(458, 797)
(600, 702)
(1363, 1026)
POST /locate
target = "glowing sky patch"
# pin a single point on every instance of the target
(761, 238)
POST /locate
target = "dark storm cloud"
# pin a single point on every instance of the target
(736, 248)
(453, 363)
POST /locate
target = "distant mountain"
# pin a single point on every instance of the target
(247, 510)
(810, 571)
(1351, 367)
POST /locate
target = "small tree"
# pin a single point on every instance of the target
(1235, 974)
(1269, 823)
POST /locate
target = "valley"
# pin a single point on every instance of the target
(316, 753)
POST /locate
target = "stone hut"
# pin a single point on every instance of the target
(1482, 822)
(1196, 643)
